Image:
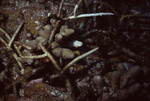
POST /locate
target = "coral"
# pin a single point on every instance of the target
(109, 86)
(43, 37)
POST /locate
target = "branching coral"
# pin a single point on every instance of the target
(9, 45)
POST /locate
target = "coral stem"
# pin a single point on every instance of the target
(15, 34)
(34, 57)
(50, 57)
(79, 58)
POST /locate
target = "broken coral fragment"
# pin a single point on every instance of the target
(57, 51)
(65, 31)
(44, 35)
(54, 45)
(64, 53)
(58, 37)
(45, 32)
(67, 53)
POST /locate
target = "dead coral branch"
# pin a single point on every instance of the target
(15, 34)
(50, 57)
(79, 58)
(34, 57)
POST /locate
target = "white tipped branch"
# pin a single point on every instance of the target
(76, 7)
(89, 15)
(75, 10)
(85, 15)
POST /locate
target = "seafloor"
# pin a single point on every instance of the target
(47, 53)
